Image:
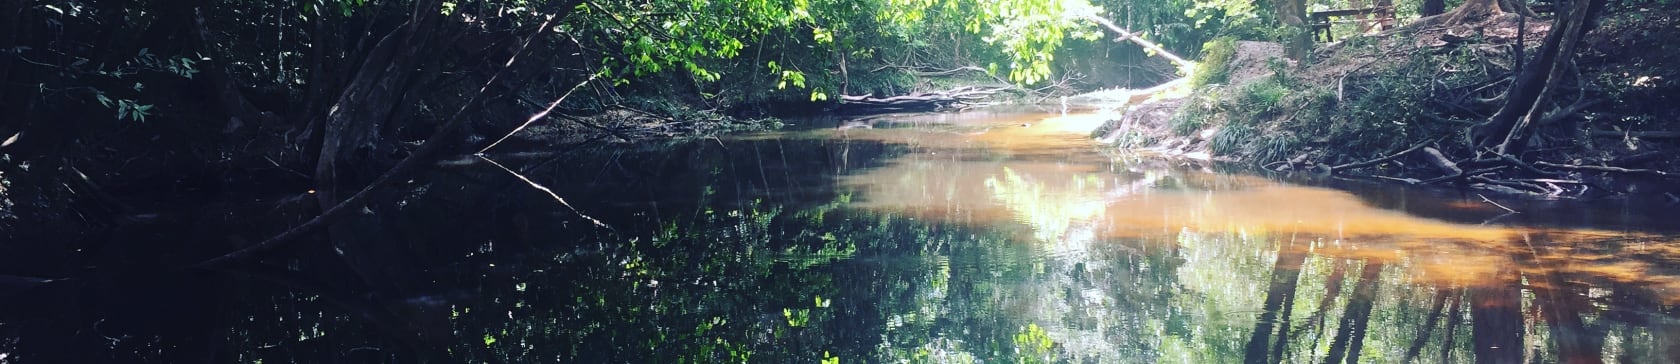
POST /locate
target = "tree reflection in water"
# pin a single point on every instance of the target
(967, 240)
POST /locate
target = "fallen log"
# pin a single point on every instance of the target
(953, 99)
(1606, 169)
(1441, 162)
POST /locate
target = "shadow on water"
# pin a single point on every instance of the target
(977, 237)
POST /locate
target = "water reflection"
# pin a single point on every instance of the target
(1537, 292)
(950, 238)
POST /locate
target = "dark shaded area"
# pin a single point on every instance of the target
(750, 249)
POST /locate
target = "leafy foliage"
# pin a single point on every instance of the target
(1215, 67)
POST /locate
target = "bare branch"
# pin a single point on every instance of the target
(1485, 199)
(1390, 157)
(546, 190)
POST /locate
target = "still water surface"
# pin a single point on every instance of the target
(953, 238)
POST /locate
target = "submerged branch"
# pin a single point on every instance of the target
(1495, 204)
(1605, 169)
(546, 190)
(1390, 157)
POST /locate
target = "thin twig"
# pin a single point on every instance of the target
(1507, 209)
(540, 187)
(1604, 169)
(1384, 159)
(540, 115)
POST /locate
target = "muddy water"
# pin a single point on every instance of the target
(974, 237)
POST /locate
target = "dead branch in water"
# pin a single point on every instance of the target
(544, 189)
(1485, 199)
(956, 98)
(1390, 157)
(1605, 169)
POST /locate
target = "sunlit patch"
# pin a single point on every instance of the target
(1004, 176)
(1646, 81)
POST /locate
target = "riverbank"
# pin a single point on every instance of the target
(1402, 105)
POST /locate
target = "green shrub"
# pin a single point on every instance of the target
(1259, 98)
(1215, 67)
(1198, 109)
(1230, 138)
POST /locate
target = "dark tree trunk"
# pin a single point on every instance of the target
(1350, 332)
(1293, 13)
(1496, 318)
(1332, 288)
(1562, 301)
(353, 147)
(1455, 316)
(1433, 7)
(233, 102)
(351, 134)
(1507, 132)
(326, 42)
(1442, 294)
(1286, 272)
(1281, 345)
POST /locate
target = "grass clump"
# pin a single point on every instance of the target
(1197, 112)
(1259, 99)
(1231, 138)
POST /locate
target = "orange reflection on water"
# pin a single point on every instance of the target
(1045, 174)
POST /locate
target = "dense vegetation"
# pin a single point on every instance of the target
(1488, 95)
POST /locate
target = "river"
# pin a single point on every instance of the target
(990, 236)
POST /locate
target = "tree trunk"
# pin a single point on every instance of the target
(1562, 301)
(351, 142)
(1350, 333)
(1455, 316)
(1496, 318)
(232, 100)
(1286, 273)
(1507, 132)
(1436, 310)
(1293, 13)
(352, 127)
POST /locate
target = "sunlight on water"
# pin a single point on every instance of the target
(1036, 170)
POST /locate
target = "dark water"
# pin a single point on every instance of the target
(979, 237)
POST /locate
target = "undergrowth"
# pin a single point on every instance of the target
(1374, 109)
(1215, 67)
